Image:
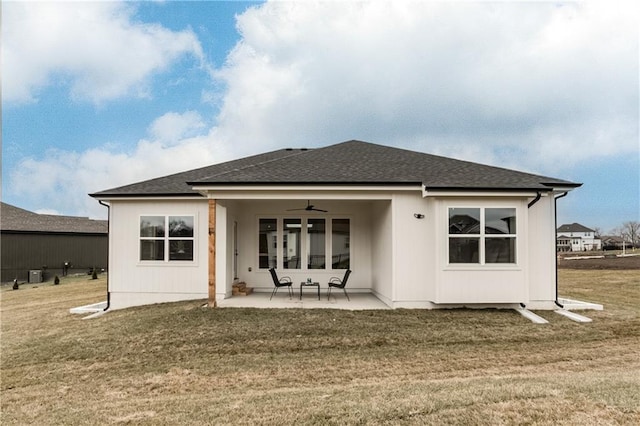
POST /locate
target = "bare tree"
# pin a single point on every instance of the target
(597, 232)
(631, 231)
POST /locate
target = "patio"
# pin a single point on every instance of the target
(359, 301)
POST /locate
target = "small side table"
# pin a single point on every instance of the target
(306, 284)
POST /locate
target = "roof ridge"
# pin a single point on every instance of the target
(300, 151)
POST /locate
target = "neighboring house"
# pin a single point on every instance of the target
(417, 230)
(576, 237)
(613, 242)
(42, 242)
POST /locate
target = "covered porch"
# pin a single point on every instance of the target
(343, 231)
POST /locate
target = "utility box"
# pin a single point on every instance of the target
(35, 276)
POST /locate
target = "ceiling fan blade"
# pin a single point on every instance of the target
(309, 208)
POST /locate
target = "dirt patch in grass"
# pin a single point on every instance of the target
(605, 263)
(180, 363)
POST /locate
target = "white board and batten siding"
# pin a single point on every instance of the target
(134, 282)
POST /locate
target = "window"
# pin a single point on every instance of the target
(291, 243)
(268, 243)
(316, 244)
(340, 235)
(166, 238)
(482, 235)
(305, 243)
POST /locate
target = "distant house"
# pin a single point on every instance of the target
(576, 237)
(42, 242)
(417, 230)
(613, 242)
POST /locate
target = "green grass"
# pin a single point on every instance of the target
(180, 363)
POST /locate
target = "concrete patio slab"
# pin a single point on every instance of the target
(362, 301)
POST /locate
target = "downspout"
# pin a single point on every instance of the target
(535, 200)
(108, 236)
(555, 232)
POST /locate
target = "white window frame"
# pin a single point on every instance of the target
(482, 236)
(167, 240)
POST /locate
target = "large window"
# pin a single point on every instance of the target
(306, 243)
(268, 243)
(291, 243)
(340, 242)
(166, 238)
(316, 244)
(479, 235)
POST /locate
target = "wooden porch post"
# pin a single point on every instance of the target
(212, 253)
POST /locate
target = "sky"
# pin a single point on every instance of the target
(97, 95)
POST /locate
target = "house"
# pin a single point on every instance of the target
(613, 242)
(36, 246)
(417, 230)
(576, 237)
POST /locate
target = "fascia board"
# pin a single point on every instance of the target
(141, 197)
(306, 188)
(484, 193)
(304, 192)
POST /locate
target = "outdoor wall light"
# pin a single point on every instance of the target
(418, 215)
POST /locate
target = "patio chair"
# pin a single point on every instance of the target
(282, 282)
(336, 282)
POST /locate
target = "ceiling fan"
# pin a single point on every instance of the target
(309, 208)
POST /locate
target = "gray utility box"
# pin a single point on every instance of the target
(35, 276)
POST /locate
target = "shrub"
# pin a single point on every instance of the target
(94, 274)
(56, 280)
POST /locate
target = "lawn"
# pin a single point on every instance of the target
(181, 363)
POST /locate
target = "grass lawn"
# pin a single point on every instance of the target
(180, 363)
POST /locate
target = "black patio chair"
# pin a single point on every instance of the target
(282, 282)
(336, 282)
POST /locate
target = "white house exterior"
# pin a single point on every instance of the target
(576, 237)
(418, 231)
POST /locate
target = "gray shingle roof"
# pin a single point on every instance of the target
(574, 227)
(16, 219)
(352, 162)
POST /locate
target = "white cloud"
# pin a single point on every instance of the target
(172, 127)
(539, 82)
(95, 48)
(538, 86)
(62, 179)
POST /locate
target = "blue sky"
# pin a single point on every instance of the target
(101, 94)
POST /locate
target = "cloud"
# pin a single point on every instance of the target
(534, 82)
(173, 127)
(62, 179)
(536, 86)
(97, 49)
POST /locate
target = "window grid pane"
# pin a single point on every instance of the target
(291, 242)
(464, 250)
(268, 243)
(500, 250)
(151, 249)
(316, 245)
(340, 244)
(464, 220)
